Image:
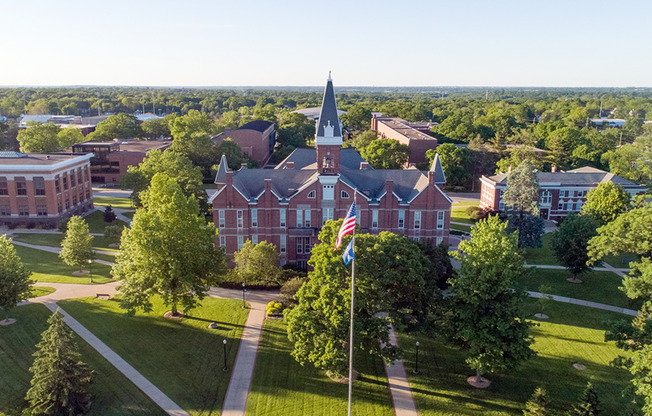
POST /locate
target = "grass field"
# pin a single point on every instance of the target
(48, 267)
(458, 212)
(112, 393)
(182, 358)
(599, 287)
(96, 222)
(283, 387)
(115, 202)
(38, 291)
(541, 255)
(129, 214)
(465, 228)
(100, 243)
(573, 334)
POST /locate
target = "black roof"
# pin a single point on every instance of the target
(328, 114)
(258, 125)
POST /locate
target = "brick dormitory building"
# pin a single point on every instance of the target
(288, 205)
(41, 189)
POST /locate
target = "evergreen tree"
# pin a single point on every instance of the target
(589, 404)
(76, 248)
(485, 315)
(15, 285)
(537, 404)
(109, 215)
(522, 194)
(60, 383)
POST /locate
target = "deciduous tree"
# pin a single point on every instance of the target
(522, 194)
(257, 263)
(15, 285)
(39, 138)
(168, 251)
(386, 154)
(116, 127)
(61, 380)
(570, 241)
(77, 247)
(455, 161)
(69, 136)
(630, 232)
(606, 202)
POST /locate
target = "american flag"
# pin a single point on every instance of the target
(347, 226)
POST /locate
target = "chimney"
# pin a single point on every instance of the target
(389, 187)
(554, 169)
(289, 165)
(229, 178)
(364, 165)
(268, 184)
(509, 169)
(431, 177)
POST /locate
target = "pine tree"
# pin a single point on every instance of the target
(109, 215)
(76, 248)
(61, 380)
(15, 285)
(537, 404)
(589, 404)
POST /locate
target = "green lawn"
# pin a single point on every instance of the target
(41, 291)
(283, 387)
(115, 202)
(541, 255)
(48, 267)
(573, 334)
(129, 214)
(100, 243)
(599, 287)
(458, 212)
(96, 222)
(466, 228)
(182, 358)
(113, 394)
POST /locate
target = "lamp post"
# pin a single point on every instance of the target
(416, 361)
(224, 343)
(90, 268)
(244, 290)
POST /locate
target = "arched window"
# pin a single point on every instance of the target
(345, 195)
(312, 195)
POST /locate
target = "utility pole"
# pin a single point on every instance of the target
(620, 142)
(600, 109)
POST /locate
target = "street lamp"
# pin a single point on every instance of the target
(224, 343)
(90, 268)
(416, 361)
(244, 290)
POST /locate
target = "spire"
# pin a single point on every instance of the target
(328, 124)
(440, 178)
(222, 170)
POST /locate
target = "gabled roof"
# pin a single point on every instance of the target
(307, 159)
(440, 178)
(328, 114)
(584, 176)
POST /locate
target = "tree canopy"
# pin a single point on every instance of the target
(386, 154)
(77, 247)
(455, 161)
(570, 241)
(522, 194)
(605, 202)
(257, 263)
(116, 127)
(39, 138)
(15, 285)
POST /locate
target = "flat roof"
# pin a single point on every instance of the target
(129, 145)
(399, 126)
(41, 162)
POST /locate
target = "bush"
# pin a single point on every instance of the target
(477, 213)
(290, 288)
(109, 215)
(274, 308)
(30, 225)
(113, 232)
(63, 225)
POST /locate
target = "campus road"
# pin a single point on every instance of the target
(464, 197)
(126, 193)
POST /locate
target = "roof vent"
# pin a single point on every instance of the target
(289, 165)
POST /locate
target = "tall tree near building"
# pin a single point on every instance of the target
(632, 161)
(118, 126)
(77, 246)
(69, 136)
(61, 380)
(39, 138)
(15, 285)
(455, 161)
(606, 202)
(522, 205)
(630, 232)
(386, 154)
(357, 118)
(389, 277)
(168, 251)
(192, 138)
(234, 156)
(570, 241)
(257, 263)
(486, 316)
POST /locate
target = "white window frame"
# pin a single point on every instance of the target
(374, 219)
(222, 241)
(240, 242)
(254, 238)
(283, 244)
(312, 194)
(441, 219)
(254, 217)
(240, 216)
(282, 217)
(345, 195)
(328, 192)
(438, 240)
(546, 197)
(417, 220)
(299, 218)
(306, 218)
(401, 219)
(299, 243)
(327, 214)
(221, 218)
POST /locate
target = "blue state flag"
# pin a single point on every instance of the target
(348, 253)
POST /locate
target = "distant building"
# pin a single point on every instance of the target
(609, 122)
(562, 192)
(408, 133)
(312, 113)
(256, 139)
(288, 205)
(111, 159)
(42, 188)
(85, 124)
(147, 117)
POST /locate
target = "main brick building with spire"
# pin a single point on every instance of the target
(288, 205)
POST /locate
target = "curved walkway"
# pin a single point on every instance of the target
(56, 250)
(581, 302)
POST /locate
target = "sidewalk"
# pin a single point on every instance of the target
(605, 268)
(581, 302)
(56, 250)
(399, 386)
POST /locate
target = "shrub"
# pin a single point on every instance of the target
(30, 225)
(109, 215)
(274, 308)
(476, 213)
(63, 225)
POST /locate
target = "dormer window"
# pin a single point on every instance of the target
(312, 195)
(345, 195)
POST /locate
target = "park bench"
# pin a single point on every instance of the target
(102, 296)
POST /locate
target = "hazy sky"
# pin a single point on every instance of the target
(364, 43)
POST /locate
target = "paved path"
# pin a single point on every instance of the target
(235, 401)
(463, 197)
(586, 303)
(605, 268)
(399, 386)
(56, 250)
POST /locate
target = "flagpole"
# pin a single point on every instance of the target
(352, 303)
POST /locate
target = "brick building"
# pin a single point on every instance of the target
(410, 134)
(288, 205)
(256, 139)
(39, 188)
(111, 159)
(562, 192)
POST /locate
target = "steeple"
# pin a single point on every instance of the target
(436, 171)
(328, 138)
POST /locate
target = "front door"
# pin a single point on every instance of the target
(543, 213)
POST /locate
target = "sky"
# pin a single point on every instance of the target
(571, 43)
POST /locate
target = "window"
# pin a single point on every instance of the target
(84, 174)
(374, 219)
(39, 185)
(441, 216)
(306, 245)
(222, 241)
(546, 197)
(57, 187)
(438, 240)
(345, 195)
(221, 221)
(59, 207)
(561, 206)
(283, 244)
(282, 217)
(306, 218)
(41, 210)
(417, 220)
(21, 186)
(312, 195)
(327, 214)
(65, 181)
(67, 204)
(299, 245)
(501, 205)
(240, 242)
(401, 219)
(3, 186)
(72, 179)
(5, 210)
(254, 217)
(302, 265)
(88, 194)
(299, 218)
(240, 218)
(74, 199)
(23, 210)
(329, 192)
(575, 194)
(254, 238)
